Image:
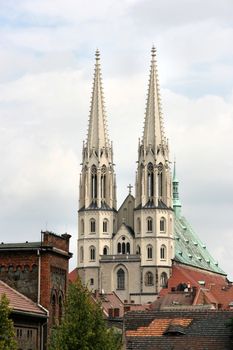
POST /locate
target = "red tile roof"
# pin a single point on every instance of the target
(19, 302)
(214, 289)
(157, 327)
(73, 275)
(111, 301)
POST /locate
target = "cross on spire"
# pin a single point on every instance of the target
(130, 188)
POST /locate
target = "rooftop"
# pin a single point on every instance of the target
(20, 303)
(183, 330)
(190, 250)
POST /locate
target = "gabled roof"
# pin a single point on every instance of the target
(190, 250)
(129, 196)
(128, 228)
(173, 299)
(20, 303)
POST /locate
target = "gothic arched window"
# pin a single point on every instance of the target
(149, 279)
(60, 310)
(92, 253)
(94, 182)
(119, 248)
(138, 225)
(103, 182)
(123, 248)
(150, 179)
(53, 302)
(138, 250)
(163, 252)
(128, 247)
(82, 226)
(92, 225)
(105, 225)
(105, 250)
(163, 280)
(121, 279)
(149, 224)
(162, 225)
(160, 179)
(81, 254)
(149, 252)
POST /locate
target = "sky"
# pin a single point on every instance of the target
(47, 61)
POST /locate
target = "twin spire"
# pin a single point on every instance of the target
(97, 137)
(153, 134)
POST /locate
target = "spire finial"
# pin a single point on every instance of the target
(174, 169)
(130, 188)
(97, 54)
(153, 53)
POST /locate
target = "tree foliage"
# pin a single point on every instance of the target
(7, 334)
(83, 326)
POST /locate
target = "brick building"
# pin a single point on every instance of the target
(38, 270)
(30, 319)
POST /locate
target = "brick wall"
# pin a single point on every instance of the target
(20, 271)
(22, 268)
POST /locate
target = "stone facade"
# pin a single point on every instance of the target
(130, 250)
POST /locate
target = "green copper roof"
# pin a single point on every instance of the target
(190, 250)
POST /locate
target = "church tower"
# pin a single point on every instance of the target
(153, 216)
(97, 190)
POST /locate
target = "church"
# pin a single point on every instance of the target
(132, 250)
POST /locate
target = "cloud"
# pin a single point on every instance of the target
(46, 69)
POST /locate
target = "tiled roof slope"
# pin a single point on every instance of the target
(19, 302)
(207, 288)
(190, 250)
(112, 301)
(73, 275)
(177, 330)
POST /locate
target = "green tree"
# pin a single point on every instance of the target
(7, 334)
(83, 326)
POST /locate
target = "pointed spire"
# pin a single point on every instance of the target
(153, 134)
(97, 130)
(174, 172)
(176, 197)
